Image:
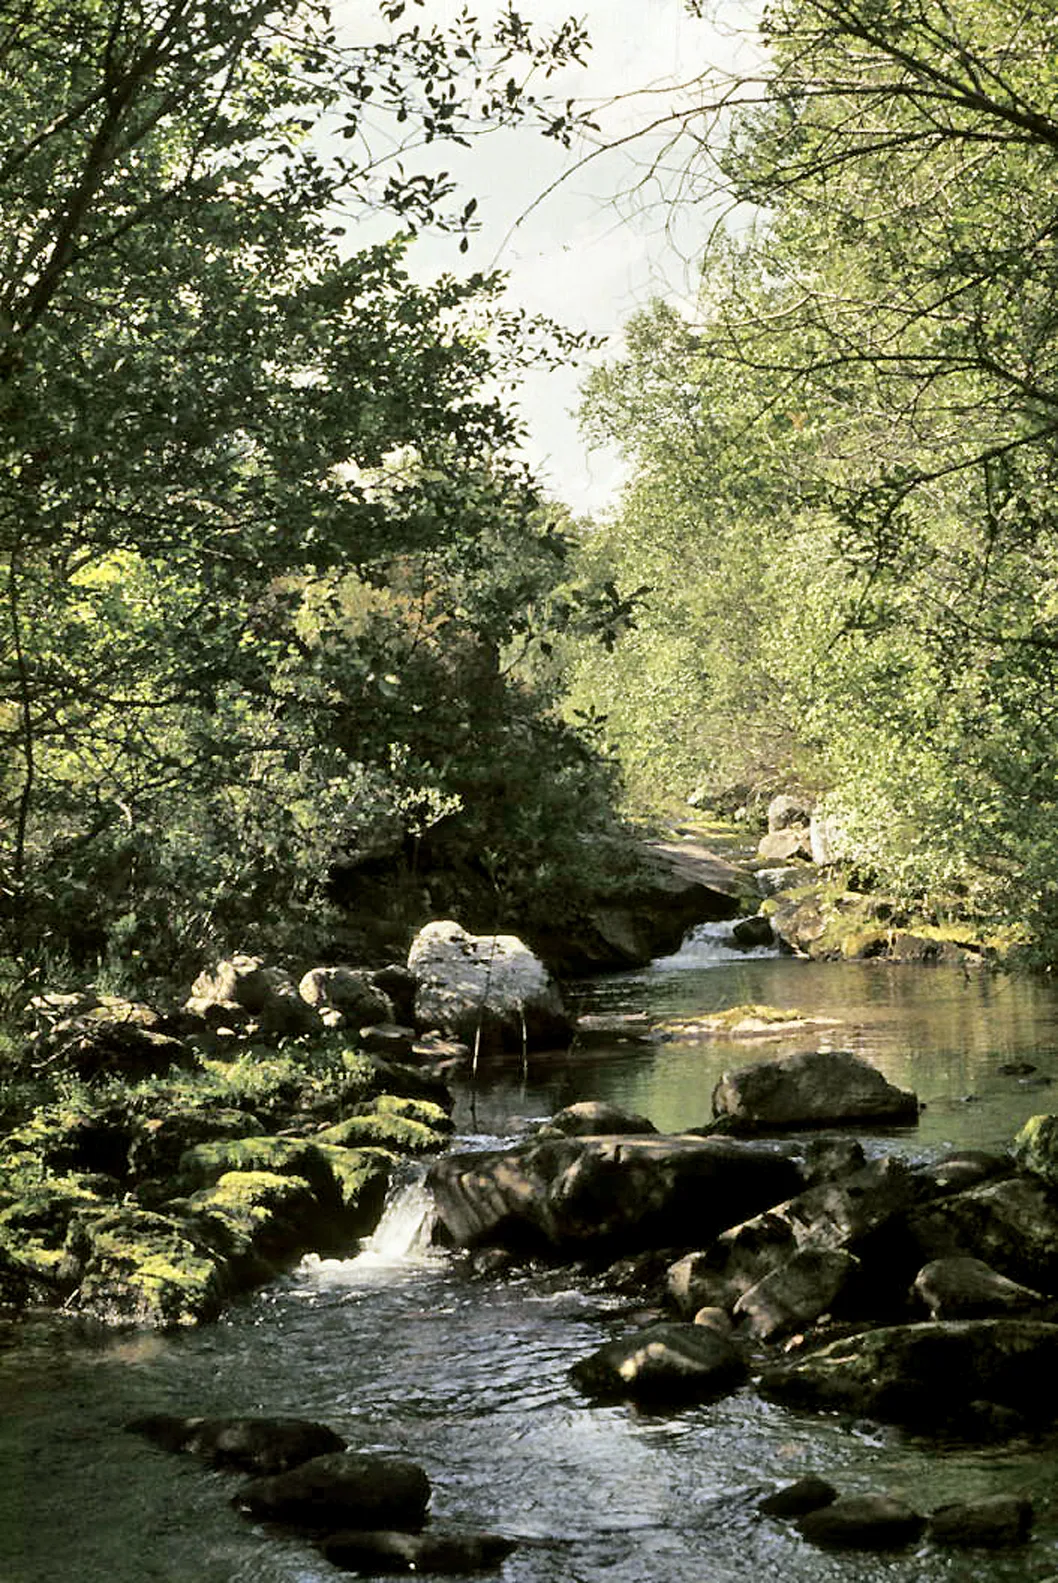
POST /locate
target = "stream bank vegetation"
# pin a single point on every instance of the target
(842, 485)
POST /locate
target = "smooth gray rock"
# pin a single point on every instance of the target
(489, 990)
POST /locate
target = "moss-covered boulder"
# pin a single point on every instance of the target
(1036, 1148)
(206, 1163)
(161, 1140)
(141, 1268)
(363, 1177)
(402, 1125)
(252, 1215)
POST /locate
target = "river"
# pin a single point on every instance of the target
(400, 1350)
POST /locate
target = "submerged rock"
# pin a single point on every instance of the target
(794, 1500)
(862, 1522)
(813, 1089)
(992, 1522)
(441, 1551)
(347, 1489)
(665, 1362)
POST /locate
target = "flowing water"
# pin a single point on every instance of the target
(400, 1350)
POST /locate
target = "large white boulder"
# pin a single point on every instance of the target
(490, 989)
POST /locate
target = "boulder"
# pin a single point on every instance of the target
(606, 1194)
(752, 933)
(105, 1036)
(814, 1089)
(254, 1445)
(779, 846)
(925, 1375)
(966, 1288)
(1036, 1148)
(664, 1363)
(136, 1267)
(992, 1522)
(440, 1551)
(344, 997)
(592, 1118)
(486, 989)
(786, 810)
(655, 892)
(242, 994)
(794, 1500)
(344, 1489)
(847, 1216)
(862, 1522)
(803, 1289)
(1010, 1224)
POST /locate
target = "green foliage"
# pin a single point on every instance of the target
(262, 530)
(845, 490)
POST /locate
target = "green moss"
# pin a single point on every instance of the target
(143, 1268)
(387, 1131)
(206, 1163)
(255, 1212)
(362, 1174)
(422, 1110)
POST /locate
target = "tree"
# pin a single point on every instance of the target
(889, 290)
(250, 478)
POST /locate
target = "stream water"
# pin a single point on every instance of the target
(400, 1351)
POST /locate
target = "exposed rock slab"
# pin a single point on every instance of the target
(613, 1193)
(816, 1088)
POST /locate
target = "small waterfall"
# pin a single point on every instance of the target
(710, 945)
(400, 1242)
(403, 1234)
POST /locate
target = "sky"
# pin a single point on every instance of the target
(584, 254)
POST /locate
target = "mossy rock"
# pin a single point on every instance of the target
(206, 1163)
(41, 1208)
(386, 1130)
(425, 1111)
(1036, 1148)
(363, 1177)
(250, 1215)
(142, 1268)
(162, 1140)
